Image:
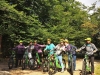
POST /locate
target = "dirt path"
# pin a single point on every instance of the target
(18, 71)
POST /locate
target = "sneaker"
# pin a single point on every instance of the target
(62, 70)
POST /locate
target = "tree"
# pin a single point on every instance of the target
(41, 19)
(15, 25)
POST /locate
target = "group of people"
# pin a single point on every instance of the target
(63, 45)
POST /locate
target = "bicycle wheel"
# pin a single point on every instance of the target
(54, 66)
(30, 63)
(84, 68)
(71, 66)
(23, 64)
(11, 63)
(64, 62)
(45, 65)
(35, 64)
(51, 67)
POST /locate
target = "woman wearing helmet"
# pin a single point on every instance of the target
(50, 46)
(59, 49)
(19, 52)
(38, 48)
(30, 48)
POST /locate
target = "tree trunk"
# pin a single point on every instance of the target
(0, 42)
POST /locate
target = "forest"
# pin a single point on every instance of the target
(41, 19)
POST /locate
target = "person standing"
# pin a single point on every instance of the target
(59, 49)
(90, 50)
(30, 48)
(38, 48)
(20, 49)
(71, 50)
(50, 46)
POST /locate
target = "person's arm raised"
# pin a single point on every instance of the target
(83, 47)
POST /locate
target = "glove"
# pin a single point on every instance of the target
(94, 51)
(78, 50)
(44, 50)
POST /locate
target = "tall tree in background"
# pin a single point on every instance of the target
(41, 19)
(14, 24)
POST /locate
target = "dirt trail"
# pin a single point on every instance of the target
(18, 71)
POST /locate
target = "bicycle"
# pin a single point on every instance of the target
(86, 67)
(26, 61)
(49, 64)
(58, 65)
(11, 62)
(45, 61)
(37, 61)
(53, 63)
(71, 54)
(71, 63)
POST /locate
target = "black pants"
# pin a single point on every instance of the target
(18, 59)
(34, 55)
(40, 56)
(91, 58)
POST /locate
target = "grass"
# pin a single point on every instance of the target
(97, 69)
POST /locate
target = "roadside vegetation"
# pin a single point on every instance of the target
(97, 69)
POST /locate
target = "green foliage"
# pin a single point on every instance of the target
(16, 23)
(41, 19)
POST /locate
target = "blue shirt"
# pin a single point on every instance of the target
(50, 47)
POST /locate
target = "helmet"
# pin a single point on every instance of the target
(66, 40)
(89, 39)
(35, 41)
(20, 41)
(61, 40)
(30, 41)
(48, 39)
